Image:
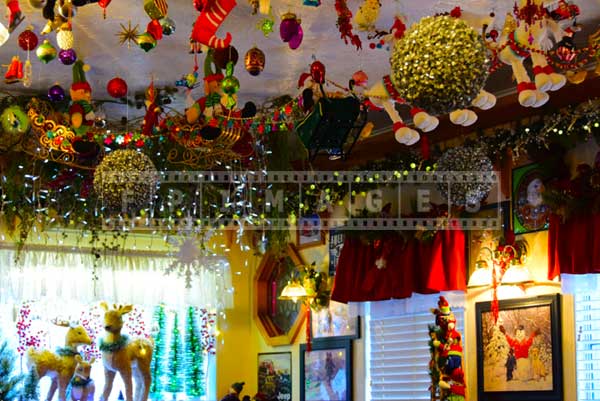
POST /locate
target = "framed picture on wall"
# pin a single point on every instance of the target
(334, 322)
(519, 356)
(499, 220)
(309, 232)
(336, 243)
(275, 375)
(326, 371)
(530, 213)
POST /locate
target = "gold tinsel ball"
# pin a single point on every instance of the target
(127, 178)
(439, 65)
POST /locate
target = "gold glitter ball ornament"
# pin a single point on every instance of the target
(439, 65)
(64, 38)
(125, 180)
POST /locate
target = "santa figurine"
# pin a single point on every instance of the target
(454, 385)
(81, 113)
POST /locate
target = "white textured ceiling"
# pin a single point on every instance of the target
(97, 43)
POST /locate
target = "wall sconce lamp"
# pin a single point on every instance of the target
(293, 291)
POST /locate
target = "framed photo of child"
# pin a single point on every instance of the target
(519, 354)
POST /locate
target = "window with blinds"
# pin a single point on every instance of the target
(398, 355)
(587, 323)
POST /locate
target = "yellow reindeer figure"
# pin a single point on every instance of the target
(59, 365)
(82, 385)
(130, 358)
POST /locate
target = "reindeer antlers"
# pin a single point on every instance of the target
(61, 322)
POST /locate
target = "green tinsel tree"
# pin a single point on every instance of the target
(9, 381)
(30, 386)
(194, 375)
(157, 366)
(175, 369)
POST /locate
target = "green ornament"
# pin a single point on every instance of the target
(146, 41)
(15, 124)
(46, 52)
(230, 84)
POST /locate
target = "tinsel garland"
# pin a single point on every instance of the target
(114, 346)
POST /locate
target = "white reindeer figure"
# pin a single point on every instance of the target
(130, 358)
(59, 365)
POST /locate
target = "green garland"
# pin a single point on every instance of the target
(66, 351)
(114, 346)
(77, 381)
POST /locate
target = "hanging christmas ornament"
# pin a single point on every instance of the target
(312, 3)
(367, 15)
(222, 57)
(56, 93)
(296, 40)
(208, 22)
(46, 52)
(27, 72)
(254, 61)
(67, 57)
(230, 86)
(66, 9)
(289, 26)
(125, 177)
(128, 34)
(64, 37)
(28, 40)
(156, 9)
(15, 124)
(4, 34)
(14, 72)
(37, 3)
(14, 14)
(317, 72)
(146, 41)
(117, 88)
(104, 4)
(466, 192)
(168, 25)
(439, 65)
(155, 29)
(266, 26)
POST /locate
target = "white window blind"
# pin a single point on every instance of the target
(398, 355)
(587, 323)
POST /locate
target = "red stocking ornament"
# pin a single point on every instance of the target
(210, 19)
(15, 17)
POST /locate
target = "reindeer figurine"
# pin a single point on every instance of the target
(59, 365)
(130, 358)
(82, 386)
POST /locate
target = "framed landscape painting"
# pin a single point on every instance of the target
(326, 371)
(519, 355)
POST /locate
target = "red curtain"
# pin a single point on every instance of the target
(396, 268)
(574, 245)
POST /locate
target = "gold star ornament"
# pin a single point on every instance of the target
(128, 34)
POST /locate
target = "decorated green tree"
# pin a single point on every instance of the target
(9, 381)
(30, 386)
(158, 357)
(194, 374)
(175, 368)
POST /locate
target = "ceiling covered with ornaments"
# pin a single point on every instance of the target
(97, 42)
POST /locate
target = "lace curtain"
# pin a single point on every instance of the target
(60, 277)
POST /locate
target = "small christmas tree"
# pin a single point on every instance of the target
(174, 380)
(30, 386)
(9, 382)
(194, 378)
(158, 356)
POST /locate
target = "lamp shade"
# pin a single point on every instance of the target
(293, 291)
(482, 276)
(516, 274)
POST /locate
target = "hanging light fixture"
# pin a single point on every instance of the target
(293, 291)
(517, 273)
(482, 276)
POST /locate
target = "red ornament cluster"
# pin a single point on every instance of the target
(344, 24)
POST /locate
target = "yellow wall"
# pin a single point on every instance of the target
(237, 354)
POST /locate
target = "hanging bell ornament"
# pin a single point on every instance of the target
(64, 37)
(46, 52)
(146, 41)
(254, 61)
(28, 40)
